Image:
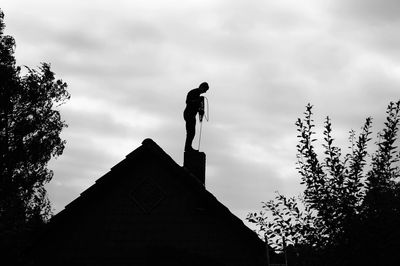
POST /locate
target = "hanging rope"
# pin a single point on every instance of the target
(206, 116)
(201, 126)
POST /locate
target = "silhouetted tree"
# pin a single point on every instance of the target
(30, 129)
(348, 214)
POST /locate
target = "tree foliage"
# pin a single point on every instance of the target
(30, 127)
(350, 207)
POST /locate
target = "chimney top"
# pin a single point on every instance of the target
(195, 162)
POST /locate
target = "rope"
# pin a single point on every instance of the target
(208, 109)
(206, 116)
(201, 126)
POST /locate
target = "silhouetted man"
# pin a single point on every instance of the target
(193, 103)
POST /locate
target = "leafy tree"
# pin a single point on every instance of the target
(30, 127)
(288, 221)
(349, 211)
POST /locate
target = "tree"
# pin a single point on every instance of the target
(30, 127)
(349, 211)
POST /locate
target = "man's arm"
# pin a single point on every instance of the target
(201, 106)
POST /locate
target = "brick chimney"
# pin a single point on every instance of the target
(195, 162)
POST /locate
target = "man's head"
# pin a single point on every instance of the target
(203, 87)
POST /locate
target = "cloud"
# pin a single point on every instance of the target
(369, 11)
(368, 25)
(129, 65)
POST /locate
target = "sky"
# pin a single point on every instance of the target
(129, 65)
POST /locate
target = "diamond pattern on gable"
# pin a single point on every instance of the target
(147, 195)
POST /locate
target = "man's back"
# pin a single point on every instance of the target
(193, 100)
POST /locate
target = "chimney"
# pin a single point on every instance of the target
(195, 162)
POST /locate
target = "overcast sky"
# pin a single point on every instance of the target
(129, 65)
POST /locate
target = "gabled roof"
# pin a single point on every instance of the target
(150, 148)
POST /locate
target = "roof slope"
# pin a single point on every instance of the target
(183, 176)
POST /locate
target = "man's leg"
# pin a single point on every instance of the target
(190, 132)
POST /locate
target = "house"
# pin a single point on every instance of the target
(149, 211)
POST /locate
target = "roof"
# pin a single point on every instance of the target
(150, 148)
